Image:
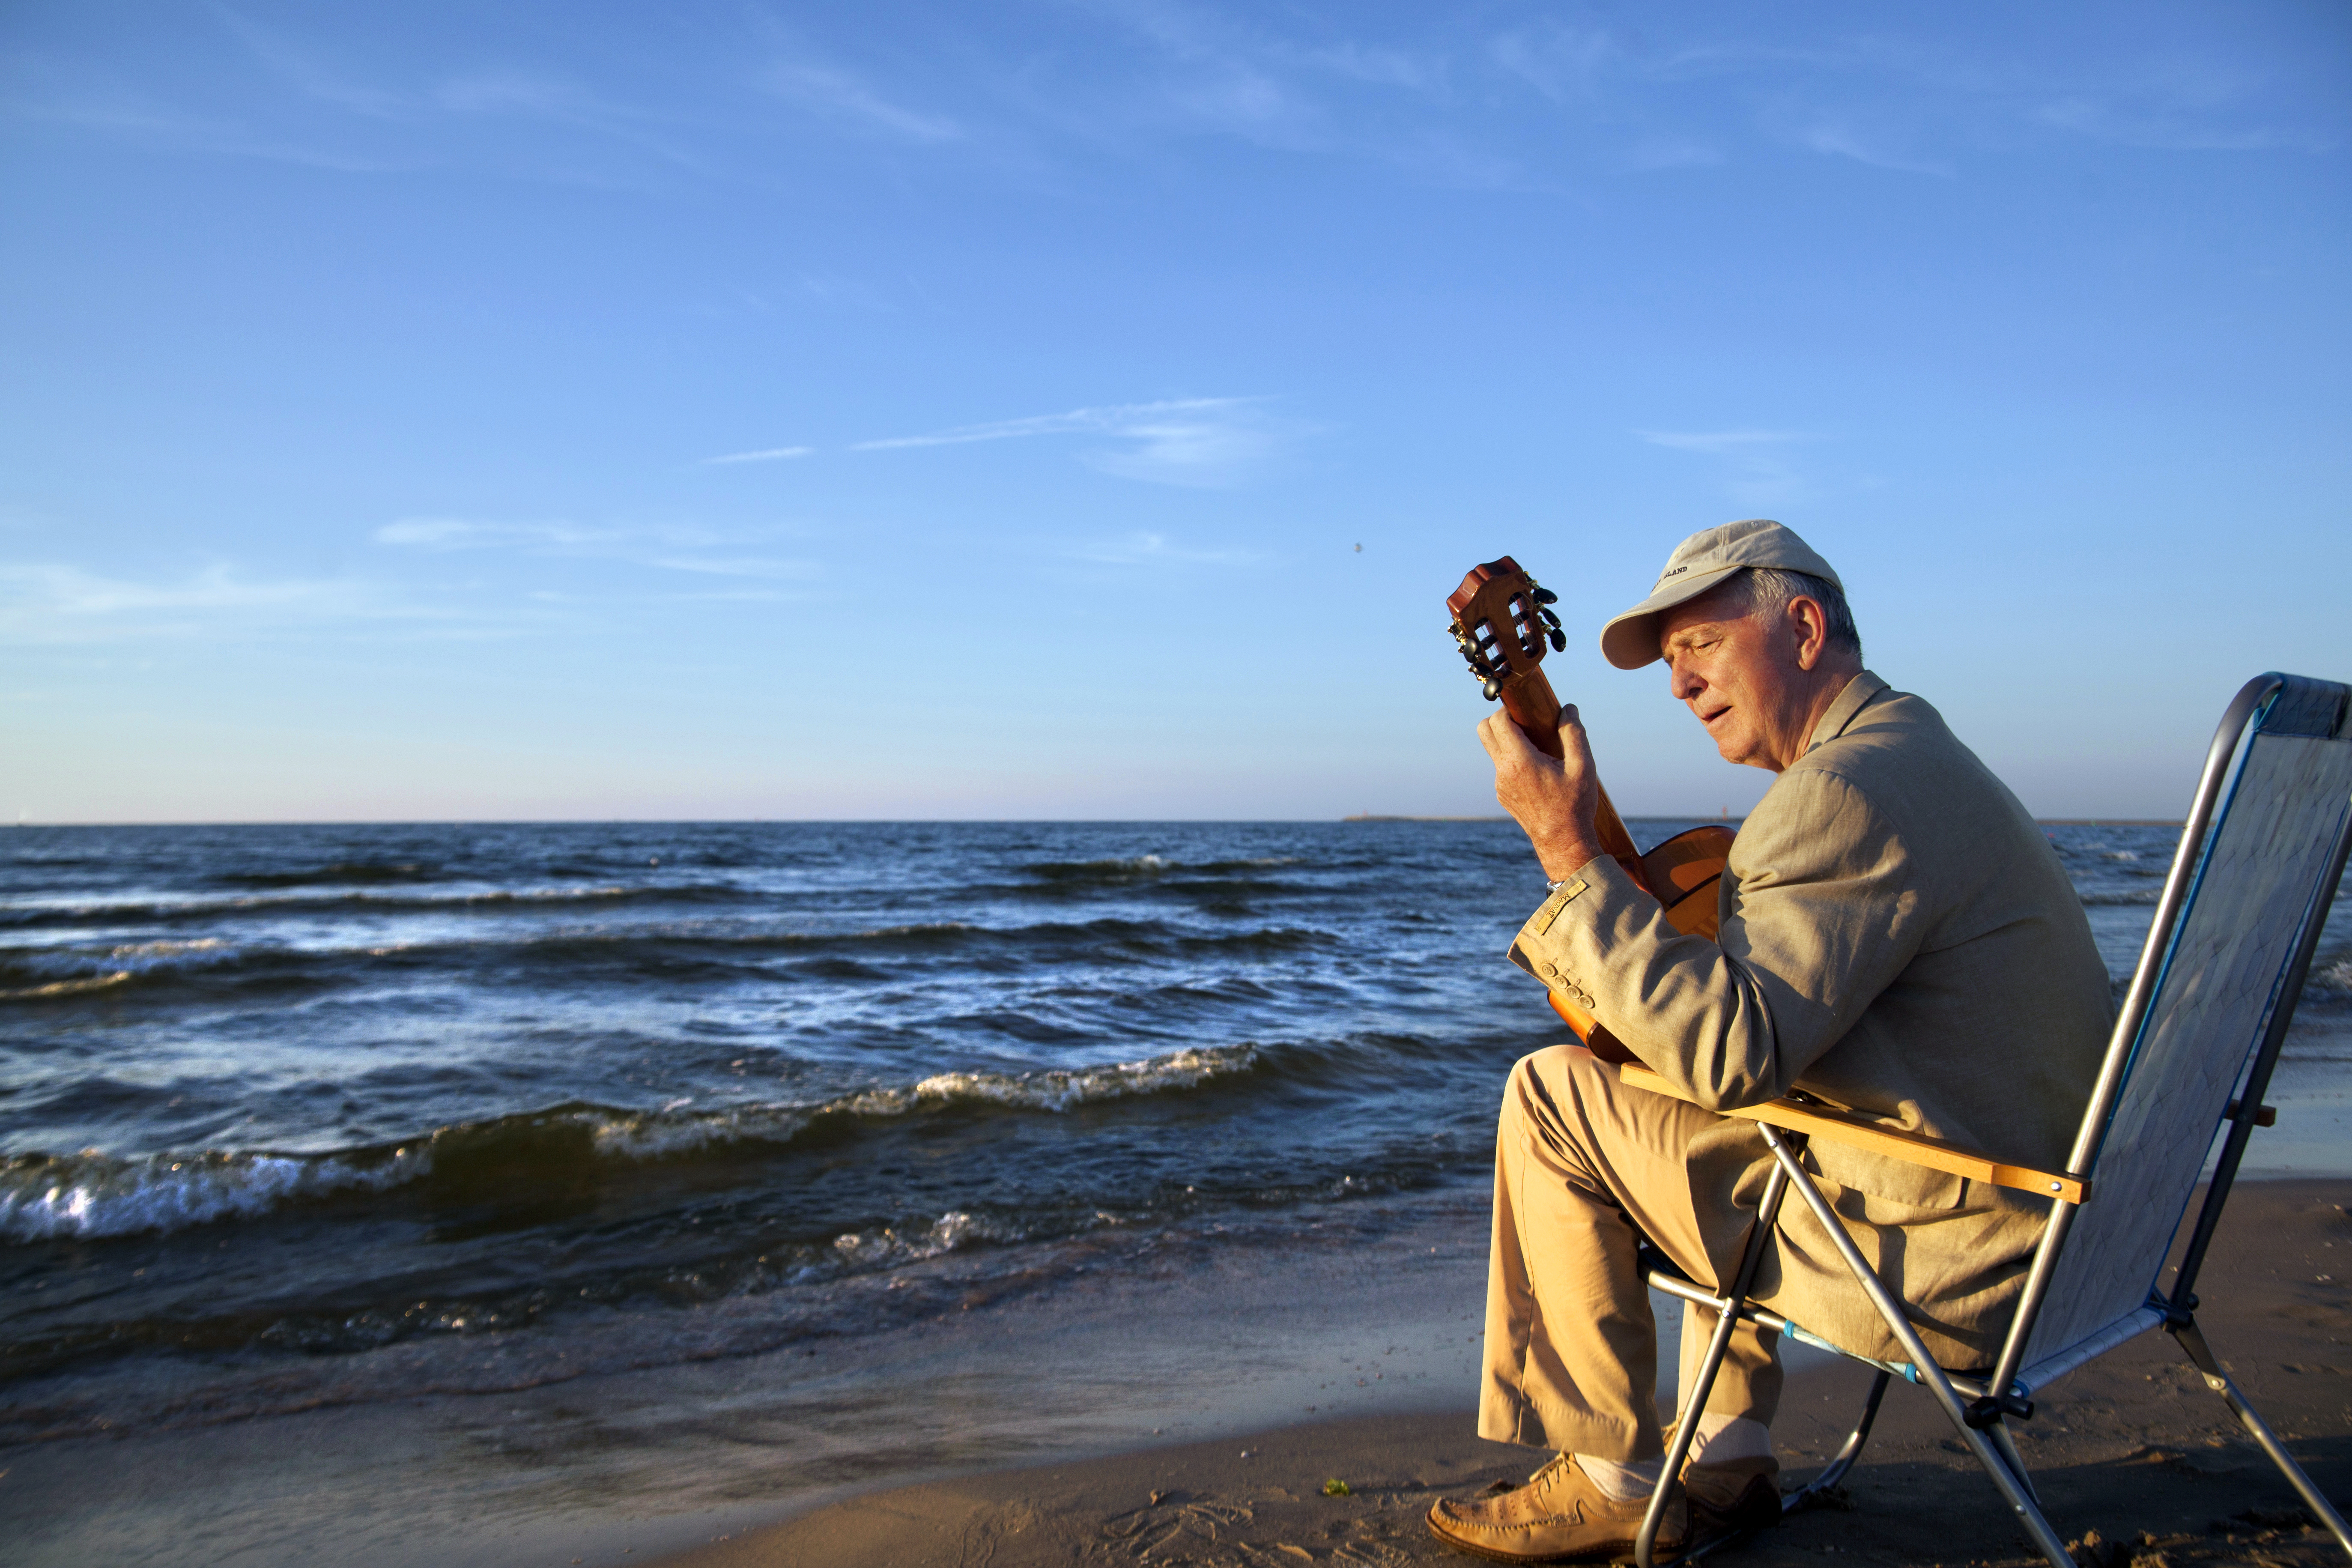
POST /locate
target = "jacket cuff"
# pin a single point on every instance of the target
(1544, 945)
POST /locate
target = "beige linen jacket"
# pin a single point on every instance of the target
(1899, 938)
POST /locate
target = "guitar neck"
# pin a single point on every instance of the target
(1528, 700)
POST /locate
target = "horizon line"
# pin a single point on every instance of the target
(1359, 817)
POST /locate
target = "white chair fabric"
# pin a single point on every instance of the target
(2221, 978)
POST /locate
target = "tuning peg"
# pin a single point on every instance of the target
(1545, 596)
(1558, 640)
(1493, 688)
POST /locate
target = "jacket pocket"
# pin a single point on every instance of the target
(1897, 1181)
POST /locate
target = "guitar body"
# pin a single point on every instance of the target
(1501, 621)
(1684, 871)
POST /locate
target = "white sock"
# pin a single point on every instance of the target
(1718, 1439)
(1623, 1483)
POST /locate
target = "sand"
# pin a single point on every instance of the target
(2131, 1454)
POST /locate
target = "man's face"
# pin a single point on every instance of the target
(1740, 674)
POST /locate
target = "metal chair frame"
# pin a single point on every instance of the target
(1981, 1401)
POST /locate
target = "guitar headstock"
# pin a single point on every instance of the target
(1501, 621)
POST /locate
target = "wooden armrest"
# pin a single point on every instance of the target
(1845, 1127)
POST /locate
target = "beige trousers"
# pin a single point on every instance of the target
(1581, 1161)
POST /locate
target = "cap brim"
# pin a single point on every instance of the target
(1631, 640)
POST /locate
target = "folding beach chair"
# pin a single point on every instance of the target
(2191, 1055)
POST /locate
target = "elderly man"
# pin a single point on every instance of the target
(1897, 938)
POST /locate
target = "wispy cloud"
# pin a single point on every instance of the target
(368, 127)
(1468, 97)
(304, 71)
(457, 533)
(58, 603)
(2184, 121)
(534, 94)
(1148, 549)
(1234, 72)
(1110, 417)
(1173, 449)
(666, 548)
(1760, 471)
(765, 455)
(1841, 134)
(46, 93)
(844, 99)
(1914, 104)
(1203, 441)
(1673, 152)
(49, 602)
(1382, 66)
(1721, 443)
(763, 566)
(1564, 62)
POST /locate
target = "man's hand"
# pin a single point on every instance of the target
(1554, 802)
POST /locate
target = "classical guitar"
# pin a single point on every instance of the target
(1503, 623)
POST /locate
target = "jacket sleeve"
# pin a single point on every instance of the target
(1819, 917)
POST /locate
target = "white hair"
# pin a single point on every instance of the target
(1769, 589)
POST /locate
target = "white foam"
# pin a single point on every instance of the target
(654, 1135)
(90, 1194)
(887, 1248)
(68, 987)
(1059, 1088)
(94, 1195)
(164, 949)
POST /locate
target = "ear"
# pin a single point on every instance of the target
(1811, 626)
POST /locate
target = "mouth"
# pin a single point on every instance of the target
(1708, 718)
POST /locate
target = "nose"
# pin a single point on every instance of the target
(1683, 681)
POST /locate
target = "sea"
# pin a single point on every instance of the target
(300, 1117)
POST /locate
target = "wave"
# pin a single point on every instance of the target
(65, 970)
(33, 913)
(735, 955)
(1133, 868)
(1130, 869)
(81, 985)
(57, 974)
(90, 1194)
(340, 874)
(45, 1196)
(39, 974)
(1059, 1090)
(2331, 981)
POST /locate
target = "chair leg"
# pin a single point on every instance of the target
(1931, 1374)
(1834, 1471)
(2192, 1342)
(1998, 1430)
(1693, 1398)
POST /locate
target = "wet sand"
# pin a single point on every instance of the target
(1115, 1343)
(2132, 1448)
(985, 1429)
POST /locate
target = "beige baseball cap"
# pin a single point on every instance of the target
(1706, 560)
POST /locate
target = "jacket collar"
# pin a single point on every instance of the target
(1856, 696)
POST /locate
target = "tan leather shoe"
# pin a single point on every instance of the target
(1733, 1497)
(1559, 1516)
(1730, 1498)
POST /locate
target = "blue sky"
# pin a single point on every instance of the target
(431, 411)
